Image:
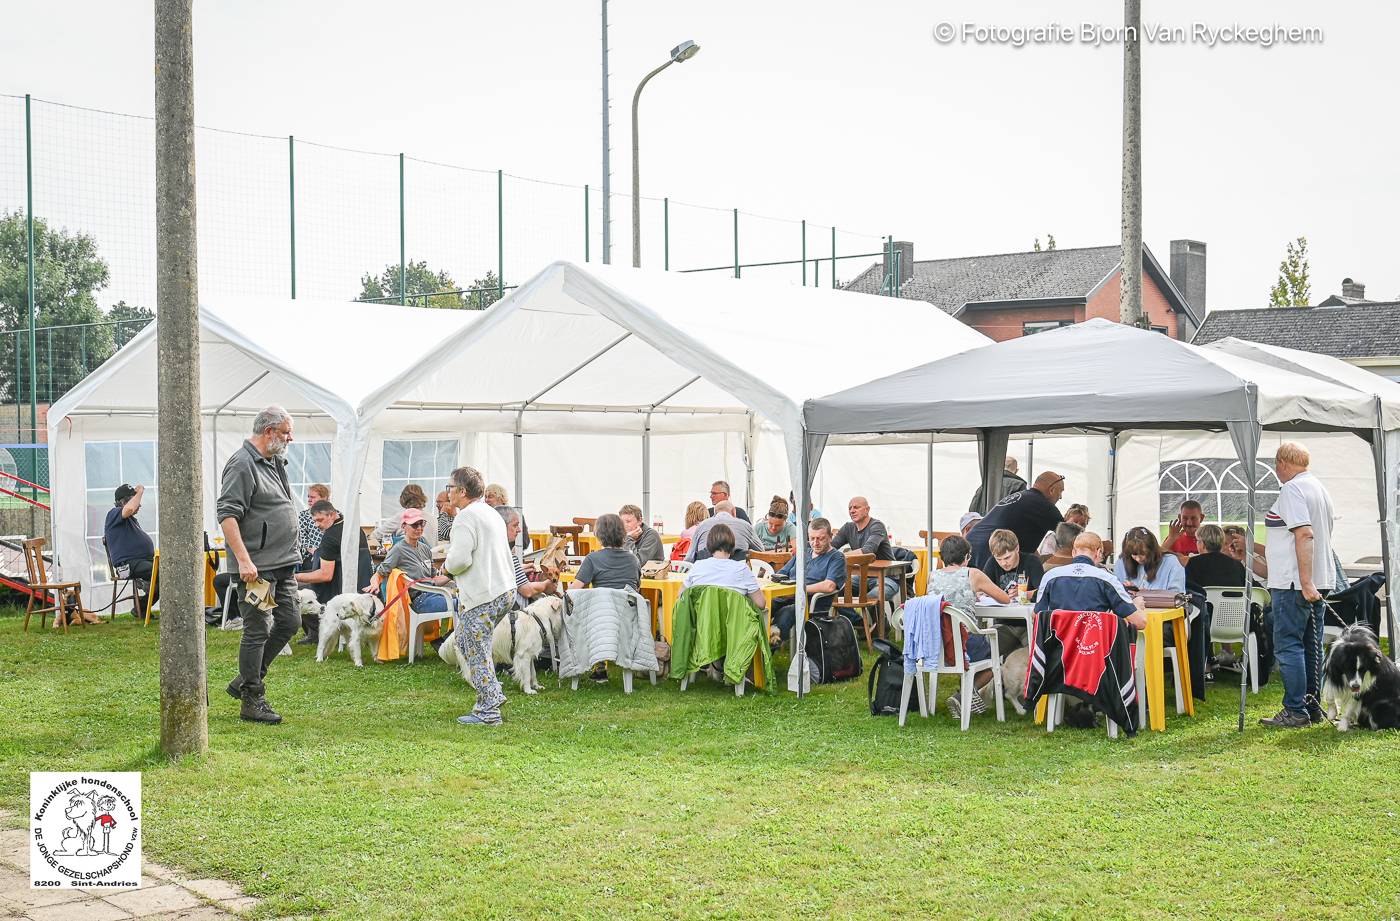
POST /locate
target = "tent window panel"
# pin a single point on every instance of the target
(426, 462)
(308, 462)
(109, 464)
(1216, 483)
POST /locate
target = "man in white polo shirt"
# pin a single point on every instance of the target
(1298, 548)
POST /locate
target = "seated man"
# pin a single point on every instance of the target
(496, 497)
(1066, 533)
(642, 540)
(1181, 533)
(744, 537)
(525, 590)
(130, 547)
(968, 522)
(446, 511)
(1077, 514)
(1081, 585)
(719, 569)
(413, 556)
(325, 581)
(1008, 563)
(719, 492)
(863, 534)
(824, 571)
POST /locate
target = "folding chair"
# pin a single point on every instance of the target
(118, 578)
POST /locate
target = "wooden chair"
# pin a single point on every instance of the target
(570, 531)
(117, 581)
(855, 596)
(938, 535)
(587, 524)
(773, 558)
(63, 592)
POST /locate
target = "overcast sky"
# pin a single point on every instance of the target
(834, 112)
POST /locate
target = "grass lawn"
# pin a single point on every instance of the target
(371, 802)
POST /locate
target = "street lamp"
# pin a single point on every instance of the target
(682, 52)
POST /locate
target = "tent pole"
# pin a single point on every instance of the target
(646, 471)
(928, 541)
(1112, 485)
(1383, 503)
(748, 468)
(1247, 465)
(519, 459)
(799, 628)
(1030, 460)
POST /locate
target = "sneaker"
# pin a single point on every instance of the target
(955, 705)
(234, 623)
(1286, 719)
(471, 719)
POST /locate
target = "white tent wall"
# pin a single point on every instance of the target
(1341, 461)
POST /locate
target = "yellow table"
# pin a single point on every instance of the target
(666, 591)
(210, 599)
(539, 540)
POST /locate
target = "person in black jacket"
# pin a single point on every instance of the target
(1028, 514)
(1011, 482)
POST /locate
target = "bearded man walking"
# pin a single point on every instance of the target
(258, 517)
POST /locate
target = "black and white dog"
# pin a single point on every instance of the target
(1360, 685)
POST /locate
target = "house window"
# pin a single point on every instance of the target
(1160, 329)
(307, 462)
(426, 462)
(1039, 326)
(109, 464)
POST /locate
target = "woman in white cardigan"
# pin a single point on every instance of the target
(479, 559)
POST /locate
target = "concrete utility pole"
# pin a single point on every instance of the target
(1130, 281)
(184, 711)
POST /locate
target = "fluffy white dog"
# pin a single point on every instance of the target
(352, 618)
(547, 611)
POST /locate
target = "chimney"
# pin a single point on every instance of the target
(899, 254)
(1353, 290)
(1188, 273)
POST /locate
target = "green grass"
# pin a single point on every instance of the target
(371, 802)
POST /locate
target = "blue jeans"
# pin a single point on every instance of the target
(429, 603)
(1298, 648)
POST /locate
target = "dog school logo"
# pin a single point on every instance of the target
(84, 830)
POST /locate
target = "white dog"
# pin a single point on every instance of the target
(1013, 678)
(352, 618)
(529, 641)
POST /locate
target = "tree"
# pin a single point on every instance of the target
(422, 286)
(68, 273)
(1293, 289)
(484, 292)
(127, 321)
(1049, 245)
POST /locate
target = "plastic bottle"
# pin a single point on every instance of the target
(1023, 589)
(659, 525)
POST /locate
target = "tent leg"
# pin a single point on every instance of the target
(646, 471)
(1385, 505)
(520, 461)
(1030, 460)
(1112, 486)
(748, 468)
(799, 626)
(928, 541)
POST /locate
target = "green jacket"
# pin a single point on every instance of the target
(709, 623)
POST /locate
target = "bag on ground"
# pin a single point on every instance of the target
(831, 646)
(885, 688)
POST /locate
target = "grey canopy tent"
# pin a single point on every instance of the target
(1095, 376)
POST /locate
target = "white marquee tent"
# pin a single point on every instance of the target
(575, 350)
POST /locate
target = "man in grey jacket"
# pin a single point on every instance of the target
(258, 516)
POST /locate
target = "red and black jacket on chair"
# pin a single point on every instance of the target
(1088, 654)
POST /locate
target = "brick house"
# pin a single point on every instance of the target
(1010, 295)
(1347, 326)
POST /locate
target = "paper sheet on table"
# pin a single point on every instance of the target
(987, 601)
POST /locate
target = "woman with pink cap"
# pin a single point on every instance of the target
(414, 558)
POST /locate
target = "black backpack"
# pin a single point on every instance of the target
(831, 648)
(885, 689)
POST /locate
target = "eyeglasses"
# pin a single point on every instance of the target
(416, 524)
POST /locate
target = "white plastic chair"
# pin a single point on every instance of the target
(761, 569)
(416, 619)
(680, 566)
(1054, 703)
(1230, 614)
(964, 670)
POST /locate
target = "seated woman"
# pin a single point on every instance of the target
(609, 567)
(413, 556)
(1142, 565)
(391, 528)
(776, 531)
(719, 569)
(960, 584)
(695, 513)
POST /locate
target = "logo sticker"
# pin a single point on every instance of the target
(84, 830)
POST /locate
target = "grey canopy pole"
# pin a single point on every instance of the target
(1112, 486)
(748, 467)
(1247, 447)
(519, 445)
(1384, 504)
(803, 499)
(928, 540)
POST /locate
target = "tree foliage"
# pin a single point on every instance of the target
(1050, 242)
(68, 274)
(425, 288)
(1293, 288)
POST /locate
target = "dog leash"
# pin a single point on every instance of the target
(407, 585)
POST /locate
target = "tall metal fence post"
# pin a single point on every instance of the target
(501, 236)
(292, 206)
(804, 252)
(736, 242)
(833, 257)
(48, 345)
(31, 307)
(585, 223)
(666, 234)
(403, 245)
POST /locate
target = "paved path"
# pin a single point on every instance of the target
(162, 896)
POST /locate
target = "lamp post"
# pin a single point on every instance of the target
(682, 52)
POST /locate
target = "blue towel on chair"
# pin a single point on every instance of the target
(923, 634)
